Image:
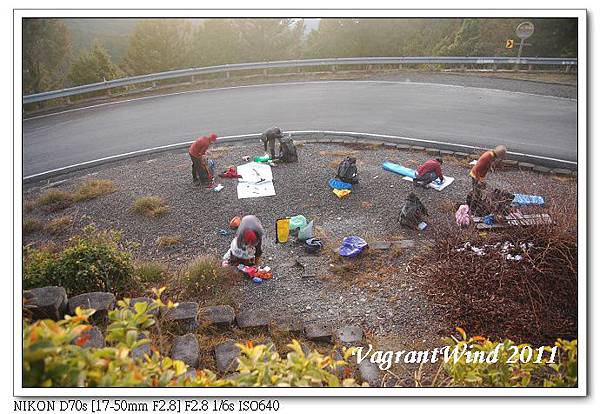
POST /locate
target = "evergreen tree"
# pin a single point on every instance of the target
(159, 45)
(93, 66)
(46, 54)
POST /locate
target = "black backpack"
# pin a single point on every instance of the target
(412, 211)
(287, 150)
(347, 171)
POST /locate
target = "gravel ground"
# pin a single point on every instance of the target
(377, 291)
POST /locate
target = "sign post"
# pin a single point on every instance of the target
(524, 31)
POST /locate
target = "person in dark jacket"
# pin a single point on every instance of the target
(428, 172)
(246, 246)
(202, 167)
(269, 137)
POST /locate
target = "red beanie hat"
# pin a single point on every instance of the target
(250, 237)
(213, 137)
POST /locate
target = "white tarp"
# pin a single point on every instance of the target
(435, 184)
(256, 181)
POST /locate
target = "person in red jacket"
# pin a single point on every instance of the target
(202, 168)
(429, 171)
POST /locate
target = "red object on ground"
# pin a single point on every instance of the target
(431, 165)
(230, 173)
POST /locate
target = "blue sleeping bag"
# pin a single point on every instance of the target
(399, 169)
(528, 200)
(352, 246)
(339, 185)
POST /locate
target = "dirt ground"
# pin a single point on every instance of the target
(378, 290)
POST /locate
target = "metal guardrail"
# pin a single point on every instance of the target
(153, 77)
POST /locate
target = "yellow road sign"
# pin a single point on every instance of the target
(510, 43)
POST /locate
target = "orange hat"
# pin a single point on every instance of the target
(235, 222)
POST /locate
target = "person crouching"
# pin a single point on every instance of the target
(246, 246)
(428, 172)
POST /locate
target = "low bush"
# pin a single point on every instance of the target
(150, 272)
(59, 225)
(94, 188)
(32, 225)
(54, 200)
(204, 275)
(150, 206)
(93, 261)
(169, 241)
(53, 356)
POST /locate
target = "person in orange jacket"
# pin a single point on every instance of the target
(485, 163)
(202, 167)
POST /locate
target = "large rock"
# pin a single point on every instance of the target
(102, 302)
(249, 319)
(47, 302)
(146, 300)
(185, 348)
(91, 338)
(370, 373)
(221, 316)
(349, 335)
(226, 355)
(184, 316)
(318, 332)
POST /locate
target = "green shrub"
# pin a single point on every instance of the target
(150, 206)
(150, 272)
(53, 357)
(93, 261)
(562, 372)
(94, 188)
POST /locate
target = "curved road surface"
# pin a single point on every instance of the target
(532, 124)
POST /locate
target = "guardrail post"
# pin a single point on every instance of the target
(108, 92)
(68, 99)
(227, 74)
(334, 68)
(154, 84)
(529, 68)
(463, 67)
(494, 67)
(265, 74)
(568, 69)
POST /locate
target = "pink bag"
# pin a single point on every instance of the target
(462, 216)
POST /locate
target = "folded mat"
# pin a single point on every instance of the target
(528, 200)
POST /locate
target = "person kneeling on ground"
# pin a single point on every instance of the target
(428, 172)
(201, 166)
(269, 137)
(246, 246)
(485, 163)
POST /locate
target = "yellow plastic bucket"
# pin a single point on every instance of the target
(283, 230)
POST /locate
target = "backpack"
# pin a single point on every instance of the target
(347, 171)
(412, 211)
(287, 150)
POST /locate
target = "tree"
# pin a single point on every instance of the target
(215, 42)
(159, 45)
(93, 66)
(269, 39)
(46, 54)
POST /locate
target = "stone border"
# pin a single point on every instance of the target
(520, 160)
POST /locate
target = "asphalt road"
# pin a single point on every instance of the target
(539, 125)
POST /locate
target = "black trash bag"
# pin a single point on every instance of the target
(347, 171)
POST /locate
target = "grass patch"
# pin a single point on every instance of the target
(59, 225)
(169, 241)
(150, 206)
(54, 200)
(29, 206)
(150, 272)
(204, 277)
(94, 188)
(31, 225)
